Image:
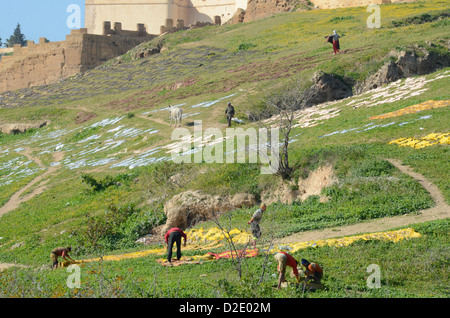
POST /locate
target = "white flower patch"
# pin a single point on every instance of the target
(16, 169)
(199, 142)
(309, 117)
(398, 90)
(85, 162)
(107, 122)
(240, 121)
(210, 103)
(143, 159)
(58, 147)
(133, 132)
(106, 146)
(161, 109)
(51, 136)
(4, 152)
(186, 115)
(371, 126)
(93, 137)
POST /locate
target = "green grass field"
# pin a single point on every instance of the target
(106, 142)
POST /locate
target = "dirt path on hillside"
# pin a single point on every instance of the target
(441, 210)
(18, 197)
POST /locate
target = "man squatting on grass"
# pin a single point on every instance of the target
(60, 252)
(172, 236)
(284, 259)
(254, 223)
(313, 271)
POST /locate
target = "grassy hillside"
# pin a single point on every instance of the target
(105, 166)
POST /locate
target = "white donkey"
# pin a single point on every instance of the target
(175, 115)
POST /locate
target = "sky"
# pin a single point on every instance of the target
(39, 18)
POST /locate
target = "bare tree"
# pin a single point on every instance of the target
(164, 180)
(280, 109)
(237, 256)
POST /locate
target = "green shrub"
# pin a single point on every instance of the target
(84, 134)
(338, 19)
(108, 181)
(423, 18)
(373, 168)
(118, 227)
(245, 46)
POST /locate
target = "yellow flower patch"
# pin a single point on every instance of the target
(393, 236)
(216, 235)
(415, 108)
(429, 140)
(241, 237)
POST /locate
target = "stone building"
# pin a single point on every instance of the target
(155, 13)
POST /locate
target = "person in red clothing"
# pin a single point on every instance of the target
(313, 271)
(284, 259)
(172, 236)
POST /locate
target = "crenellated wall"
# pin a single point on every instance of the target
(154, 13)
(49, 62)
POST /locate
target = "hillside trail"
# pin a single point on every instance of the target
(441, 210)
(17, 198)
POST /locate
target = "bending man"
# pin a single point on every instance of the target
(60, 252)
(174, 236)
(284, 259)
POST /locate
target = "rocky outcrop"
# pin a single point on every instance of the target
(290, 191)
(260, 9)
(190, 207)
(238, 17)
(419, 60)
(20, 127)
(326, 87)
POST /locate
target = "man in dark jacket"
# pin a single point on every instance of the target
(172, 236)
(229, 112)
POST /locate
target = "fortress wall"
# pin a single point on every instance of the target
(46, 63)
(205, 11)
(30, 66)
(154, 13)
(151, 13)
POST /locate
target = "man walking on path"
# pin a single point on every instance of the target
(174, 236)
(229, 112)
(284, 259)
(254, 223)
(336, 46)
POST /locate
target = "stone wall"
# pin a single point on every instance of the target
(154, 13)
(49, 62)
